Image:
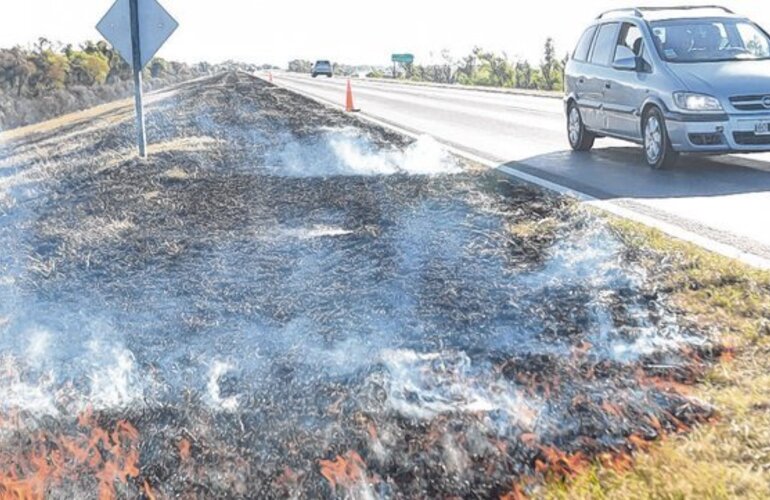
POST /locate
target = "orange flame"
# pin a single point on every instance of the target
(344, 471)
(148, 491)
(619, 462)
(517, 493)
(184, 449)
(109, 457)
(561, 464)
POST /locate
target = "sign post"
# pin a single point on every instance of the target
(136, 62)
(137, 29)
(402, 59)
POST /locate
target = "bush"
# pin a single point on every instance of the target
(50, 79)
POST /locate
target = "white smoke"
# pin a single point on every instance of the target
(16, 393)
(54, 361)
(217, 370)
(347, 152)
(312, 232)
(423, 386)
(591, 259)
(115, 382)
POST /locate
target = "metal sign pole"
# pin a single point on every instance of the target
(141, 136)
(137, 35)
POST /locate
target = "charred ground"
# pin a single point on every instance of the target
(286, 301)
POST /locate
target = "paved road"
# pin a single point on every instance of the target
(721, 202)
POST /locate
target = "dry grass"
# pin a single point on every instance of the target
(184, 144)
(176, 174)
(116, 158)
(89, 232)
(71, 119)
(730, 459)
(96, 117)
(532, 228)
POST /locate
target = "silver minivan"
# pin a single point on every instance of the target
(674, 79)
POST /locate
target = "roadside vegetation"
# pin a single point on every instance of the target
(731, 457)
(480, 67)
(49, 79)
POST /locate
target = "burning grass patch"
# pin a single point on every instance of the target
(731, 457)
(315, 306)
(80, 459)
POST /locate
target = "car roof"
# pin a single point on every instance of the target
(666, 16)
(668, 13)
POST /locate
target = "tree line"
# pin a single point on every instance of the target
(487, 68)
(48, 78)
(480, 67)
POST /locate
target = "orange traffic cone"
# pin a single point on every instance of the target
(349, 100)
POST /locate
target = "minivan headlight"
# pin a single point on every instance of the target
(690, 101)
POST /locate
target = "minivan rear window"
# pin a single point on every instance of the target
(584, 45)
(605, 44)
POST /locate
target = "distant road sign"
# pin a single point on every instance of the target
(155, 27)
(402, 58)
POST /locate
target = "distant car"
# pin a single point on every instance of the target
(322, 68)
(674, 79)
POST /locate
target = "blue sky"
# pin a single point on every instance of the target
(341, 30)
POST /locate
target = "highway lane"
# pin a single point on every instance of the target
(724, 200)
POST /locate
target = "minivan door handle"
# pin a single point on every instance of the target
(607, 85)
(582, 80)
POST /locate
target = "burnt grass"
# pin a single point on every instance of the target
(423, 351)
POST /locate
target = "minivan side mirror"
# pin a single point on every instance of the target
(625, 59)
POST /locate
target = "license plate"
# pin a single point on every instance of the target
(762, 128)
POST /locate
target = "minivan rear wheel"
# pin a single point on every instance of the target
(657, 146)
(580, 139)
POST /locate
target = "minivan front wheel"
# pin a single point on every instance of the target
(580, 139)
(657, 146)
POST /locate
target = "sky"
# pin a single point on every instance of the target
(347, 31)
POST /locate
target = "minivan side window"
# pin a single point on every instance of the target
(584, 45)
(604, 47)
(631, 37)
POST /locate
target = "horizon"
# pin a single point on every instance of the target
(244, 34)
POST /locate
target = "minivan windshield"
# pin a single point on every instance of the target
(710, 40)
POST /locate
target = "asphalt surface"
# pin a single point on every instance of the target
(723, 200)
